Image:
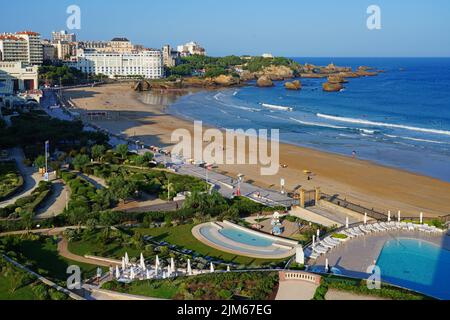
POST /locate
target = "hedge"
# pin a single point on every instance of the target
(11, 181)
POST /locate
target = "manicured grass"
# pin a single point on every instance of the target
(114, 250)
(182, 236)
(45, 256)
(23, 293)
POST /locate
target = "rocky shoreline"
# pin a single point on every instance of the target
(335, 77)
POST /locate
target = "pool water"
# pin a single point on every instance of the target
(418, 265)
(245, 237)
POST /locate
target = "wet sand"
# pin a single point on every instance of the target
(143, 116)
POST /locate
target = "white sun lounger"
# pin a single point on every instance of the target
(326, 245)
(320, 250)
(357, 231)
(332, 240)
(379, 227)
(365, 230)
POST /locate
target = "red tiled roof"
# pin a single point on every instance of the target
(30, 33)
(10, 37)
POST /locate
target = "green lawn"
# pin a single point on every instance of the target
(46, 257)
(91, 246)
(182, 237)
(23, 293)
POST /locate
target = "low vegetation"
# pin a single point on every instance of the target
(31, 130)
(64, 75)
(10, 179)
(359, 287)
(25, 207)
(220, 286)
(16, 284)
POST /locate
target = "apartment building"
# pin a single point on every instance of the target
(35, 50)
(147, 63)
(191, 48)
(13, 48)
(63, 36)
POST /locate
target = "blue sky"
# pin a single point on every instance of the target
(282, 27)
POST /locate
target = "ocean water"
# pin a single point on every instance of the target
(400, 118)
(417, 265)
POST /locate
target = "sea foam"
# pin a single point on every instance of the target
(382, 124)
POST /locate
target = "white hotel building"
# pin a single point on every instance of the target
(147, 63)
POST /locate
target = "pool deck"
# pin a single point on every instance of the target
(263, 252)
(353, 257)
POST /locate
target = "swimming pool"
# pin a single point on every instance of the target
(246, 238)
(416, 264)
(238, 240)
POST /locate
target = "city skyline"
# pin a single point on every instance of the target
(287, 28)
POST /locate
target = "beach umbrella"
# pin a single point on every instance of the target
(127, 259)
(189, 268)
(228, 269)
(212, 268)
(117, 272)
(314, 241)
(389, 216)
(157, 263)
(300, 255)
(318, 234)
(399, 216)
(142, 262)
(421, 218)
(365, 217)
(148, 275)
(132, 275)
(347, 222)
(172, 265)
(123, 264)
(169, 271)
(326, 265)
(164, 276)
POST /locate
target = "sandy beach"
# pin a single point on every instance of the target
(143, 116)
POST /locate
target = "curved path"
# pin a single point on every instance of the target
(56, 203)
(63, 251)
(97, 182)
(30, 178)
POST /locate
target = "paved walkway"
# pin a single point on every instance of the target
(341, 295)
(227, 185)
(30, 177)
(296, 290)
(97, 182)
(56, 204)
(63, 250)
(308, 215)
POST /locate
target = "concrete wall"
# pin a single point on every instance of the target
(334, 207)
(307, 215)
(300, 276)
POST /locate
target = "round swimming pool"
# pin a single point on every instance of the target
(232, 239)
(416, 264)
